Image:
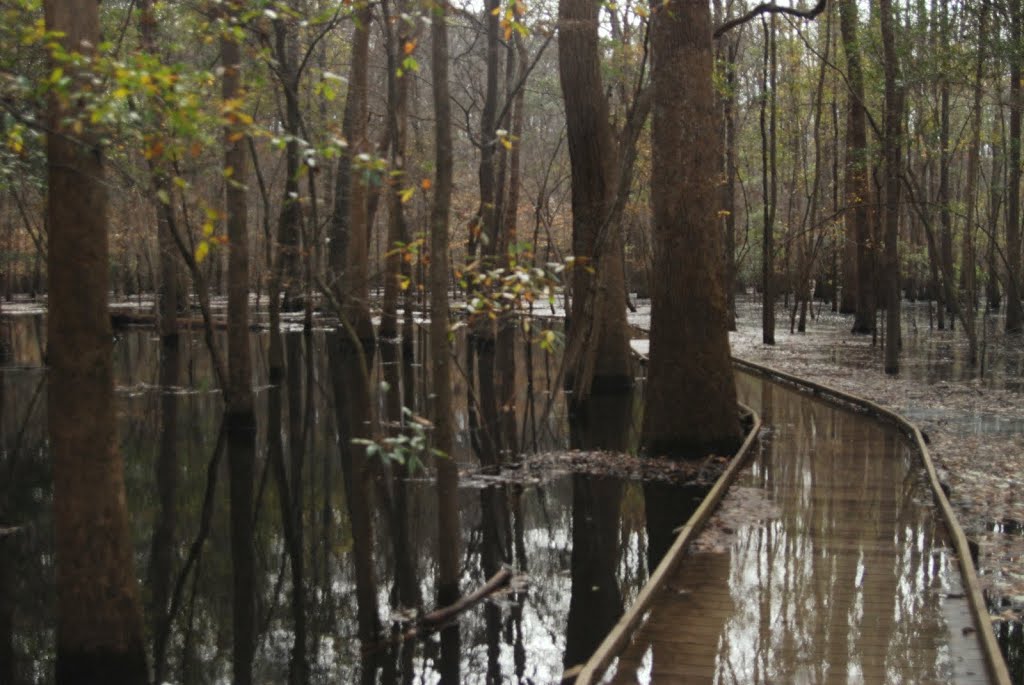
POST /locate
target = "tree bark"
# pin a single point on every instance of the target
(447, 470)
(768, 185)
(946, 295)
(858, 216)
(892, 142)
(349, 232)
(689, 327)
(1014, 311)
(396, 34)
(239, 392)
(170, 298)
(99, 617)
(728, 54)
(290, 220)
(597, 322)
(969, 263)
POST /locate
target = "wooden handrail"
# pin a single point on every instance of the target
(620, 635)
(623, 630)
(995, 663)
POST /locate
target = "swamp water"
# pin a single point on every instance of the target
(365, 556)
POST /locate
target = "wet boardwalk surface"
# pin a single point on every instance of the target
(828, 564)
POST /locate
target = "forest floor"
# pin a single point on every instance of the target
(974, 420)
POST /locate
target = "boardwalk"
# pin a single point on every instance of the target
(838, 571)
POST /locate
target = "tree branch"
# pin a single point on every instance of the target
(770, 7)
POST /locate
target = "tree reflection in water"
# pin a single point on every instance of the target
(322, 551)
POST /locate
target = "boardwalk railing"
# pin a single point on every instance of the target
(623, 630)
(997, 670)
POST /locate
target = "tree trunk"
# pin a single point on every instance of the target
(170, 298)
(597, 322)
(239, 391)
(892, 136)
(993, 295)
(1014, 311)
(969, 264)
(240, 417)
(768, 186)
(99, 616)
(858, 191)
(290, 220)
(689, 327)
(505, 357)
(728, 104)
(447, 469)
(349, 232)
(396, 34)
(947, 294)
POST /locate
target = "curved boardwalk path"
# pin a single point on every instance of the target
(833, 567)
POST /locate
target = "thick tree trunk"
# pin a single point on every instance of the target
(597, 322)
(892, 142)
(99, 617)
(858, 191)
(689, 327)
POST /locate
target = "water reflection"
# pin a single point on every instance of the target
(281, 553)
(828, 564)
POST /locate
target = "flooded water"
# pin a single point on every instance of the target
(827, 563)
(338, 568)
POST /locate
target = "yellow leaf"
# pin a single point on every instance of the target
(155, 150)
(406, 194)
(507, 143)
(202, 250)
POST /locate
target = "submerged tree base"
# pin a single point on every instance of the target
(102, 666)
(674, 448)
(602, 386)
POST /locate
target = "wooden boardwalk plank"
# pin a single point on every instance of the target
(846, 576)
